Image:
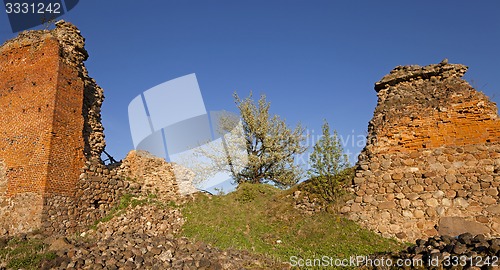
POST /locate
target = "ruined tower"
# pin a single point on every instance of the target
(432, 160)
(49, 122)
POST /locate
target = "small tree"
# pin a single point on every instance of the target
(328, 165)
(271, 146)
(257, 147)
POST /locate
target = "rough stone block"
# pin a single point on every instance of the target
(454, 226)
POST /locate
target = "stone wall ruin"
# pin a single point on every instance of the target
(431, 164)
(101, 187)
(47, 102)
(432, 160)
(51, 139)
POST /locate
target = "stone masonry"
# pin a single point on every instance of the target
(47, 102)
(432, 160)
(51, 138)
(50, 123)
(100, 188)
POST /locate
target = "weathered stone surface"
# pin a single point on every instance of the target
(432, 147)
(59, 244)
(494, 209)
(455, 226)
(101, 187)
(409, 73)
(156, 175)
(386, 205)
(432, 202)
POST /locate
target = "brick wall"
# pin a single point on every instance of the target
(420, 114)
(51, 139)
(41, 119)
(49, 122)
(66, 153)
(28, 80)
(432, 157)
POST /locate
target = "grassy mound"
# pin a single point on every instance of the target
(262, 219)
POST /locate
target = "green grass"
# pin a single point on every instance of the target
(130, 200)
(255, 217)
(24, 254)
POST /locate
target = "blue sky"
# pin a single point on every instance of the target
(314, 60)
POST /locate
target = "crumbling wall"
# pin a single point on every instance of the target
(157, 176)
(74, 54)
(49, 122)
(51, 139)
(101, 187)
(432, 157)
(98, 190)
